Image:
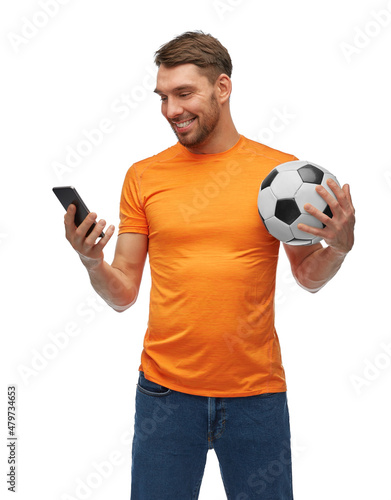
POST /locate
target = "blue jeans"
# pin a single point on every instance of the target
(173, 431)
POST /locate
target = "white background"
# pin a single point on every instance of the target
(325, 66)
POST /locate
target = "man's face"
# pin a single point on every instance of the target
(188, 103)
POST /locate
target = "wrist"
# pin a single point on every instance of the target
(91, 264)
(340, 254)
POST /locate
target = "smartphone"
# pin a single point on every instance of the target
(68, 195)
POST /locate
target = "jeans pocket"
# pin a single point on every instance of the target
(151, 388)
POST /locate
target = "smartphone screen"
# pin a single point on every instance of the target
(68, 195)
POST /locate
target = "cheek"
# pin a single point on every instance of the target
(197, 111)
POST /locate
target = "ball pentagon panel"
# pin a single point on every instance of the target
(310, 173)
(287, 210)
(269, 179)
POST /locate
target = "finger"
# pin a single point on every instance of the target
(70, 214)
(69, 221)
(323, 218)
(328, 198)
(346, 189)
(342, 195)
(334, 187)
(108, 234)
(95, 233)
(310, 229)
(85, 226)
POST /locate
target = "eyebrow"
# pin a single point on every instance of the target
(177, 89)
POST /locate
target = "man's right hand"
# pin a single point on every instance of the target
(91, 253)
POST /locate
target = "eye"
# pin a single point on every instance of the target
(184, 94)
(163, 98)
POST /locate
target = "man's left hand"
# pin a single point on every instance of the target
(339, 230)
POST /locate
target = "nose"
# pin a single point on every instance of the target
(173, 108)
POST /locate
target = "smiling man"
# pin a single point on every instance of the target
(211, 373)
(192, 108)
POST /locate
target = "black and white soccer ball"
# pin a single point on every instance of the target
(282, 196)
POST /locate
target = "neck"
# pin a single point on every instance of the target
(223, 138)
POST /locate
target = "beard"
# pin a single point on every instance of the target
(204, 129)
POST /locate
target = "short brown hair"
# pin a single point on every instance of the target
(197, 48)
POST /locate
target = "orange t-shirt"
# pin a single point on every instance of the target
(213, 268)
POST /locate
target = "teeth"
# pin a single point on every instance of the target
(184, 124)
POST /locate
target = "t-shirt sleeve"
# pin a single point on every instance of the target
(132, 215)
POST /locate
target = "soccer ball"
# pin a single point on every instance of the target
(282, 196)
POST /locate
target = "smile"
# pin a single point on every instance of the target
(185, 124)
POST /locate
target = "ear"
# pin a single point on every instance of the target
(223, 87)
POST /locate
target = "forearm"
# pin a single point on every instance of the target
(318, 268)
(111, 284)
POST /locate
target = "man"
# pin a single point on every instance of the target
(211, 374)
